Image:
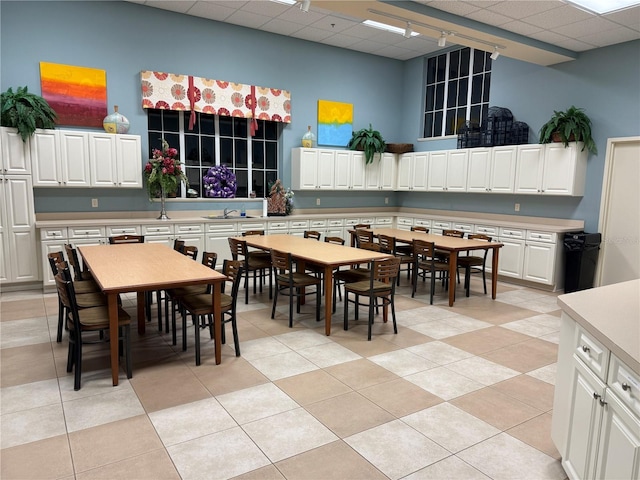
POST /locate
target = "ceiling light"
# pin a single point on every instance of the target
(304, 5)
(389, 28)
(408, 31)
(286, 2)
(495, 54)
(442, 41)
(604, 6)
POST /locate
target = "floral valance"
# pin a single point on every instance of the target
(169, 91)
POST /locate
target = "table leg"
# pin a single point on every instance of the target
(453, 269)
(328, 298)
(494, 273)
(112, 306)
(217, 320)
(141, 300)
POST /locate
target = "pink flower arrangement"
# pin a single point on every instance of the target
(164, 171)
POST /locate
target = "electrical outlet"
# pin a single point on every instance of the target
(386, 200)
(94, 203)
(517, 207)
(317, 201)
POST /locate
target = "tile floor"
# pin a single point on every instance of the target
(459, 393)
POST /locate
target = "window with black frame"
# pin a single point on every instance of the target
(456, 91)
(219, 140)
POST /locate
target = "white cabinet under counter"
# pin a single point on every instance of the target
(596, 419)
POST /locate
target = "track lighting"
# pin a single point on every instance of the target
(408, 31)
(304, 5)
(495, 54)
(442, 41)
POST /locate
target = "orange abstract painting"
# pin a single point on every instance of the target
(77, 94)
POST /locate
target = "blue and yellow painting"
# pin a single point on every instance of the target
(335, 123)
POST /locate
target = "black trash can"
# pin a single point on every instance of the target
(581, 256)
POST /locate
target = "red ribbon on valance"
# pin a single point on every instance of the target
(254, 122)
(191, 94)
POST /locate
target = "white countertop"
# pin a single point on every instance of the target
(612, 315)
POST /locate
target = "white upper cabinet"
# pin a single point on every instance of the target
(448, 170)
(349, 171)
(412, 171)
(16, 159)
(479, 173)
(70, 158)
(551, 169)
(312, 168)
(380, 173)
(503, 169)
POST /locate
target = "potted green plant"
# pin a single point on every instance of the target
(25, 111)
(369, 141)
(571, 125)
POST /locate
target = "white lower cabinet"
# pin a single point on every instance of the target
(541, 257)
(596, 430)
(217, 239)
(511, 256)
(19, 261)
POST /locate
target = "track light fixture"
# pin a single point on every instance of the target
(442, 41)
(495, 54)
(304, 5)
(408, 31)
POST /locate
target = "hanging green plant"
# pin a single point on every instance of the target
(25, 111)
(369, 141)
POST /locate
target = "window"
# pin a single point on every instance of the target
(217, 140)
(457, 90)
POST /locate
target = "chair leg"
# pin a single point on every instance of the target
(467, 280)
(291, 307)
(275, 300)
(484, 279)
(127, 349)
(197, 330)
(184, 332)
(372, 301)
(318, 291)
(61, 315)
(346, 310)
(234, 328)
(78, 363)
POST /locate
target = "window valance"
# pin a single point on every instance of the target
(169, 91)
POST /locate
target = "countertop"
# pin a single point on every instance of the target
(612, 315)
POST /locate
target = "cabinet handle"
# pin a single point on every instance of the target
(596, 396)
(626, 386)
(602, 402)
(585, 349)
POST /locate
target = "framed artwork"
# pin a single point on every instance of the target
(77, 94)
(335, 123)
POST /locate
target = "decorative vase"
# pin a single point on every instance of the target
(163, 212)
(308, 138)
(116, 122)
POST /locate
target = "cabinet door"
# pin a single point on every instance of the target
(16, 157)
(457, 170)
(510, 257)
(74, 158)
(529, 169)
(387, 171)
(420, 171)
(306, 166)
(20, 231)
(585, 415)
(45, 152)
(324, 177)
(619, 444)
(437, 176)
(564, 169)
(103, 153)
(479, 170)
(4, 243)
(129, 161)
(539, 262)
(372, 173)
(358, 171)
(342, 170)
(405, 166)
(503, 169)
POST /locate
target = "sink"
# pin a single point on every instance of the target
(229, 217)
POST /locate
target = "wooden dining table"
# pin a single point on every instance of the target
(142, 267)
(327, 255)
(453, 245)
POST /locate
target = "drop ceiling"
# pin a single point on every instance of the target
(544, 32)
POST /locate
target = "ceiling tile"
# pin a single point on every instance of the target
(211, 11)
(587, 27)
(457, 8)
(557, 17)
(485, 16)
(520, 27)
(611, 37)
(629, 17)
(575, 45)
(520, 10)
(247, 19)
(281, 27)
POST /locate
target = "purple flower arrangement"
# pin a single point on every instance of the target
(220, 182)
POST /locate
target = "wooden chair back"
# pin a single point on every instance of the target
(312, 234)
(419, 228)
(453, 233)
(190, 251)
(117, 239)
(253, 232)
(336, 240)
(363, 236)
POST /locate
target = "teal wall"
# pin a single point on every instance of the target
(124, 38)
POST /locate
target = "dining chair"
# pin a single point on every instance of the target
(117, 239)
(426, 264)
(406, 249)
(200, 307)
(379, 289)
(256, 263)
(173, 296)
(190, 251)
(474, 263)
(355, 273)
(444, 255)
(312, 234)
(80, 273)
(388, 244)
(291, 283)
(82, 320)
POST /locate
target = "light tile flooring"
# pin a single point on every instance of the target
(459, 393)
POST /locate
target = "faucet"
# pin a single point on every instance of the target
(228, 212)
